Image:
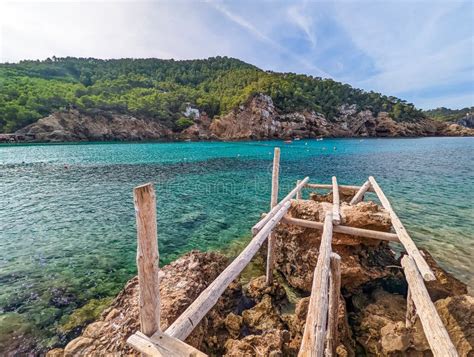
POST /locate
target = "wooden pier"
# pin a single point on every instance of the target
(320, 332)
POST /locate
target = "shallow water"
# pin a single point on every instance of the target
(67, 228)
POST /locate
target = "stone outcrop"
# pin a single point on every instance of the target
(74, 125)
(254, 319)
(257, 118)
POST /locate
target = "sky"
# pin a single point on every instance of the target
(420, 51)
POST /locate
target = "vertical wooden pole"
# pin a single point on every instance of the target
(334, 293)
(336, 217)
(411, 311)
(147, 258)
(298, 194)
(273, 202)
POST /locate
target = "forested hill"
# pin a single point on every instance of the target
(161, 89)
(445, 114)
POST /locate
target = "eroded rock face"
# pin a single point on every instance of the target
(73, 125)
(257, 118)
(363, 259)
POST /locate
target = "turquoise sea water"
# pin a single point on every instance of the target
(67, 227)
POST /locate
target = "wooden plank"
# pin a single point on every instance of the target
(435, 332)
(358, 232)
(147, 258)
(298, 194)
(334, 293)
(336, 217)
(411, 311)
(359, 196)
(273, 202)
(256, 228)
(402, 233)
(341, 187)
(314, 336)
(191, 317)
(162, 345)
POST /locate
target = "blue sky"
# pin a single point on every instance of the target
(421, 51)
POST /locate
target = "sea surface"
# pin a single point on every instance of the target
(67, 226)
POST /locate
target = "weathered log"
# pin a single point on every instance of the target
(336, 217)
(334, 292)
(162, 345)
(329, 187)
(191, 317)
(147, 258)
(257, 227)
(433, 327)
(402, 233)
(411, 311)
(359, 196)
(314, 336)
(298, 194)
(273, 202)
(358, 232)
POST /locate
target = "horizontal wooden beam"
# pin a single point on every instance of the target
(435, 332)
(329, 187)
(162, 345)
(359, 232)
(402, 233)
(191, 317)
(256, 228)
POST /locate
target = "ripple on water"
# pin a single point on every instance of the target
(71, 230)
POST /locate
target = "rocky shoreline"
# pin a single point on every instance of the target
(252, 319)
(257, 119)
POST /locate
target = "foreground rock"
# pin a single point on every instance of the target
(257, 118)
(259, 320)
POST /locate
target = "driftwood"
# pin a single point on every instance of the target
(359, 196)
(314, 336)
(334, 292)
(433, 327)
(147, 258)
(402, 233)
(298, 194)
(329, 187)
(162, 345)
(273, 202)
(257, 227)
(336, 217)
(358, 232)
(191, 317)
(411, 311)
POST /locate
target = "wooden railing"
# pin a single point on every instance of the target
(320, 333)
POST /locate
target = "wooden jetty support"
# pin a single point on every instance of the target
(320, 332)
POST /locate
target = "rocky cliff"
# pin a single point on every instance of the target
(253, 319)
(257, 119)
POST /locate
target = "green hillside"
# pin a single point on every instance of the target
(160, 89)
(445, 114)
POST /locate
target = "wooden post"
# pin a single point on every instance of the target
(336, 217)
(191, 317)
(402, 233)
(273, 202)
(147, 258)
(298, 194)
(433, 327)
(411, 311)
(258, 226)
(359, 196)
(358, 232)
(334, 292)
(314, 337)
